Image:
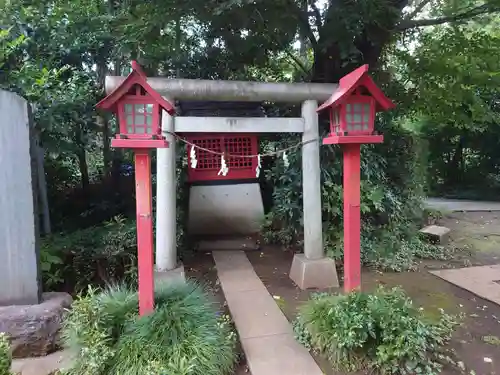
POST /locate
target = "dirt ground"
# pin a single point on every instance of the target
(474, 343)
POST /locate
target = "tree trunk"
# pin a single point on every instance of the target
(116, 155)
(334, 58)
(42, 188)
(81, 155)
(102, 121)
(84, 169)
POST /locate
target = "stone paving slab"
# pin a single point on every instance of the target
(231, 260)
(454, 205)
(228, 244)
(278, 354)
(483, 281)
(256, 314)
(240, 280)
(265, 333)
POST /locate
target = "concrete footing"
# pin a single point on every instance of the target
(170, 276)
(314, 273)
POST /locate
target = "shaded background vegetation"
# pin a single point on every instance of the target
(438, 59)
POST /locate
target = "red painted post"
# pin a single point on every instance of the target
(352, 217)
(143, 191)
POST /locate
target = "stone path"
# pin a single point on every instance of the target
(265, 333)
(483, 281)
(451, 205)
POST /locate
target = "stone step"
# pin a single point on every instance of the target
(436, 234)
(243, 243)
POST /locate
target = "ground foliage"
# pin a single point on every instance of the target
(5, 355)
(382, 331)
(183, 336)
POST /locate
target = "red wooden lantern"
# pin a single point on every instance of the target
(352, 117)
(139, 110)
(353, 107)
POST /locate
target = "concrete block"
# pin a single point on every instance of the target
(317, 273)
(225, 209)
(436, 234)
(170, 276)
(228, 244)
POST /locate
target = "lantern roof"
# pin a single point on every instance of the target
(350, 82)
(136, 77)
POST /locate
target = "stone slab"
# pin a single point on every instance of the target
(229, 244)
(436, 233)
(482, 280)
(42, 365)
(256, 314)
(231, 260)
(19, 239)
(243, 280)
(456, 205)
(265, 333)
(278, 354)
(313, 273)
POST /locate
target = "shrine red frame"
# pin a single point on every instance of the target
(208, 165)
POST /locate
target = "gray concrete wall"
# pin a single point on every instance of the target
(225, 209)
(19, 277)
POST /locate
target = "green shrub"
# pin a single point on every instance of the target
(5, 355)
(382, 331)
(184, 335)
(92, 256)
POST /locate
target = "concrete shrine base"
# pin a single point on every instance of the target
(314, 273)
(225, 209)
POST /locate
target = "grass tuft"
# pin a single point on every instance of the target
(183, 336)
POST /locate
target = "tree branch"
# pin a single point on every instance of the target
(297, 62)
(462, 16)
(304, 25)
(316, 12)
(418, 9)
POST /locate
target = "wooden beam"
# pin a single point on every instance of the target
(199, 89)
(238, 125)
